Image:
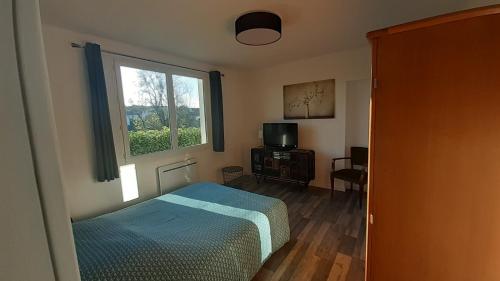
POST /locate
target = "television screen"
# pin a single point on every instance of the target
(281, 135)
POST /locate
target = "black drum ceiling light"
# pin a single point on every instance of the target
(258, 28)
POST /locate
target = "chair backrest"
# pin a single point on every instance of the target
(359, 156)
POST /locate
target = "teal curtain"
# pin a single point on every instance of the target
(217, 111)
(107, 168)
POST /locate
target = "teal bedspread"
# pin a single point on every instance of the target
(204, 231)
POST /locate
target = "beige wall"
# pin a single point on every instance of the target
(325, 136)
(67, 72)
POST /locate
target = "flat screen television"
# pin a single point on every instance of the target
(284, 135)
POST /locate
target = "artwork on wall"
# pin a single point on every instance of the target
(310, 100)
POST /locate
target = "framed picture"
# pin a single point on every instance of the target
(310, 100)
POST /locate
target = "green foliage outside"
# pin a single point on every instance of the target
(188, 136)
(149, 122)
(148, 141)
(144, 118)
(187, 117)
(147, 113)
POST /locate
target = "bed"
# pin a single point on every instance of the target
(203, 231)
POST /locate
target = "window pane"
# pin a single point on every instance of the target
(188, 95)
(146, 107)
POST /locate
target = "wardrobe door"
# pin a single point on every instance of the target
(435, 154)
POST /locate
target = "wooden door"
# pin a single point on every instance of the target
(435, 152)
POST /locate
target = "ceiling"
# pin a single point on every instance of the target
(204, 29)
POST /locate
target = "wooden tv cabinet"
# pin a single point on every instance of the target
(295, 165)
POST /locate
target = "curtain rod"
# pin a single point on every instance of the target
(76, 45)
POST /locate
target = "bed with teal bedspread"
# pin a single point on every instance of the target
(204, 231)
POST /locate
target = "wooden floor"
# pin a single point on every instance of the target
(327, 235)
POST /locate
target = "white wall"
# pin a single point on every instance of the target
(250, 98)
(469, 4)
(24, 249)
(325, 136)
(357, 116)
(36, 239)
(357, 113)
(87, 197)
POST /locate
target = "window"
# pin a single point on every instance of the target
(189, 114)
(163, 108)
(146, 110)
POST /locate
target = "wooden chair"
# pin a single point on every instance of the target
(357, 173)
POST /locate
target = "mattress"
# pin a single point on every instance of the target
(204, 231)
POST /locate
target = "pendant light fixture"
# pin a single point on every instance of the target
(258, 28)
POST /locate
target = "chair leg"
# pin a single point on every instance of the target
(351, 185)
(361, 187)
(332, 184)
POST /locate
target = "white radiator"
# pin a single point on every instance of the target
(176, 175)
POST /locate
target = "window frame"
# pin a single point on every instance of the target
(168, 71)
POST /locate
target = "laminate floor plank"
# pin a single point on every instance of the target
(356, 270)
(340, 268)
(327, 234)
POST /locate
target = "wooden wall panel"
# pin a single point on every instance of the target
(435, 153)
